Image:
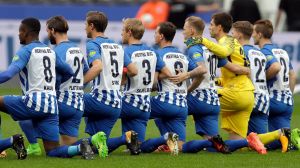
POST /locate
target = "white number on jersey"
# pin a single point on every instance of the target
(211, 63)
(41, 71)
(146, 62)
(74, 58)
(258, 63)
(176, 63)
(282, 82)
(113, 62)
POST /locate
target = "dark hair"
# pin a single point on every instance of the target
(32, 24)
(98, 19)
(197, 23)
(244, 27)
(167, 29)
(223, 19)
(58, 23)
(264, 27)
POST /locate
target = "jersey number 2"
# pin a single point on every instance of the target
(260, 65)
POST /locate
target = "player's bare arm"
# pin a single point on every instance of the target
(293, 78)
(273, 70)
(132, 70)
(93, 71)
(237, 69)
(195, 73)
(164, 73)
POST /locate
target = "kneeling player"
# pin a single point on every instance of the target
(37, 65)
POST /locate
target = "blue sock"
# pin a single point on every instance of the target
(195, 146)
(160, 126)
(73, 150)
(114, 143)
(274, 145)
(29, 131)
(5, 143)
(152, 144)
(236, 144)
(211, 149)
(64, 151)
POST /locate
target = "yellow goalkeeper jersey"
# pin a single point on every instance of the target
(230, 48)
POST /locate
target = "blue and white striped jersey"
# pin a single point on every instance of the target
(38, 64)
(138, 88)
(106, 86)
(176, 62)
(206, 91)
(71, 91)
(279, 87)
(258, 66)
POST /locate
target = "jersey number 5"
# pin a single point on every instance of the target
(114, 62)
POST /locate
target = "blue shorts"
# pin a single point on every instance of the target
(169, 118)
(133, 118)
(258, 122)
(99, 116)
(69, 120)
(280, 115)
(205, 115)
(45, 124)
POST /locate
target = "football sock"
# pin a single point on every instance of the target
(269, 137)
(64, 151)
(274, 145)
(159, 124)
(152, 144)
(28, 129)
(114, 143)
(236, 144)
(195, 146)
(5, 143)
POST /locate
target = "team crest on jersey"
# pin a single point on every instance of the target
(15, 58)
(92, 53)
(197, 55)
(269, 57)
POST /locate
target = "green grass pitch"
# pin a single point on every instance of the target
(274, 159)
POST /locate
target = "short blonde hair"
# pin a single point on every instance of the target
(135, 26)
(196, 22)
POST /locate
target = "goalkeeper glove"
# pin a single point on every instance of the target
(193, 41)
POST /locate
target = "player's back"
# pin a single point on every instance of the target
(258, 65)
(138, 88)
(230, 79)
(38, 77)
(176, 62)
(70, 92)
(279, 87)
(206, 91)
(106, 86)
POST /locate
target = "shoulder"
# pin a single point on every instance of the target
(91, 43)
(195, 49)
(267, 50)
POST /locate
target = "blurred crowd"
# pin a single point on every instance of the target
(283, 13)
